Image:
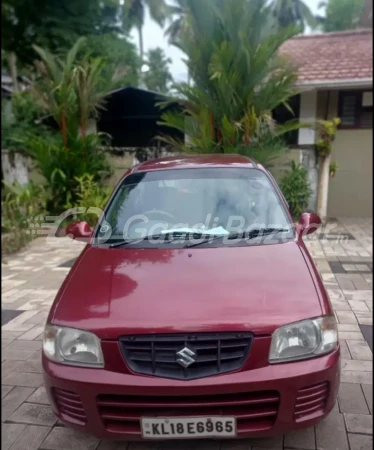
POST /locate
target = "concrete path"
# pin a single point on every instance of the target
(30, 281)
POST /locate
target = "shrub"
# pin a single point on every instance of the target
(296, 189)
(20, 204)
(89, 194)
(18, 124)
(62, 167)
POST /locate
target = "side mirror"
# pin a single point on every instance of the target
(309, 222)
(80, 231)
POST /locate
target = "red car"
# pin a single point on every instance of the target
(194, 311)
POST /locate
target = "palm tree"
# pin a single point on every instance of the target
(178, 21)
(134, 12)
(178, 16)
(293, 12)
(158, 77)
(239, 78)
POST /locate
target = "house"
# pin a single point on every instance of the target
(130, 119)
(335, 78)
(131, 115)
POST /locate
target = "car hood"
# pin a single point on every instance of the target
(134, 291)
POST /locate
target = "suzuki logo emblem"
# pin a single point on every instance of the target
(185, 357)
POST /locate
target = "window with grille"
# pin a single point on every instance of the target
(356, 109)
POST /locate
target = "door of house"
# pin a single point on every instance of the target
(351, 190)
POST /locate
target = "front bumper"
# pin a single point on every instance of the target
(266, 401)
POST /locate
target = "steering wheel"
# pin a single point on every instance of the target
(160, 213)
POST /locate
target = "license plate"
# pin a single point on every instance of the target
(187, 427)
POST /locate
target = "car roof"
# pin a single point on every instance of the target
(196, 161)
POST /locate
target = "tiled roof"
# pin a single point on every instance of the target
(346, 55)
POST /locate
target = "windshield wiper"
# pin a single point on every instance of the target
(168, 236)
(197, 235)
(252, 234)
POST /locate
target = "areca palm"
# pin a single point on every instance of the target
(239, 78)
(289, 12)
(134, 13)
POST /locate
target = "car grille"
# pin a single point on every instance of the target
(310, 400)
(254, 411)
(213, 354)
(70, 406)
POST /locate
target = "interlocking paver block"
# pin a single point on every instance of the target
(8, 366)
(340, 305)
(351, 399)
(351, 335)
(25, 345)
(346, 317)
(16, 355)
(33, 333)
(350, 376)
(344, 352)
(348, 327)
(304, 439)
(31, 438)
(15, 378)
(368, 392)
(69, 439)
(10, 334)
(360, 442)
(242, 444)
(5, 390)
(358, 306)
(364, 320)
(360, 350)
(331, 434)
(173, 445)
(30, 366)
(39, 396)
(346, 285)
(34, 414)
(9, 434)
(360, 366)
(270, 442)
(359, 423)
(13, 400)
(113, 445)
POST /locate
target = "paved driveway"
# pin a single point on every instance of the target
(31, 279)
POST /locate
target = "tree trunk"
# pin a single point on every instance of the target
(323, 186)
(12, 61)
(141, 43)
(141, 53)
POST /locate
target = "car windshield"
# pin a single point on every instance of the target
(209, 201)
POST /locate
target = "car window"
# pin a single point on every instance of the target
(198, 199)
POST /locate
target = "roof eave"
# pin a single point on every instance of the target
(336, 84)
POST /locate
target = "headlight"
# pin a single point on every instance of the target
(302, 340)
(73, 347)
